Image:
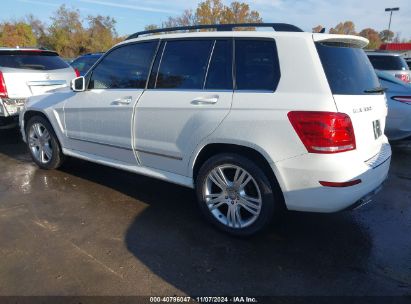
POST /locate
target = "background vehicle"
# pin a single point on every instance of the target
(391, 63)
(399, 106)
(244, 133)
(85, 62)
(28, 72)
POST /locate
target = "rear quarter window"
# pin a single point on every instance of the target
(256, 65)
(31, 60)
(348, 69)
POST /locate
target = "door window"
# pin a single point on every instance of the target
(220, 71)
(183, 64)
(126, 67)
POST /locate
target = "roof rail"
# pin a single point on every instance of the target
(278, 27)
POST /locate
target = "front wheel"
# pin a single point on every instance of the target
(235, 195)
(43, 144)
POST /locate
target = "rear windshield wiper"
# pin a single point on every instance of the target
(375, 90)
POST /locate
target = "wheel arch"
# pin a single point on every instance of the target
(253, 154)
(31, 113)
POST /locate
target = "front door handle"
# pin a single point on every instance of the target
(122, 101)
(209, 100)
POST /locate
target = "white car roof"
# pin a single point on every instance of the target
(355, 40)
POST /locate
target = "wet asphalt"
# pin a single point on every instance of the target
(86, 229)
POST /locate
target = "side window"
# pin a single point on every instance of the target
(220, 73)
(183, 64)
(257, 66)
(126, 67)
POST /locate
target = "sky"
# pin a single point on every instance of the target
(133, 15)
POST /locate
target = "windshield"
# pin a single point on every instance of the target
(392, 63)
(31, 60)
(348, 70)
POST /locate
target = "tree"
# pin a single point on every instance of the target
(151, 27)
(68, 36)
(14, 34)
(344, 28)
(373, 36)
(66, 33)
(317, 29)
(213, 12)
(209, 12)
(386, 35)
(239, 13)
(186, 18)
(101, 33)
(39, 29)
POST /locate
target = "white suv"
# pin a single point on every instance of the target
(255, 121)
(25, 72)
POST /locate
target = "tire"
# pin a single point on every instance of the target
(43, 144)
(226, 208)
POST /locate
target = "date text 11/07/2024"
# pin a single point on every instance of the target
(176, 299)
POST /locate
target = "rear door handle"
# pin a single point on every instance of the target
(205, 100)
(122, 101)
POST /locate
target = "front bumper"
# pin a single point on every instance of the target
(299, 179)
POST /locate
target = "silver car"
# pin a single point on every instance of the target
(391, 63)
(398, 125)
(27, 72)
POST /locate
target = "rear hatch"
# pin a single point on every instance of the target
(33, 72)
(355, 88)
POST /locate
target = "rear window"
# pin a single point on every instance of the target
(388, 62)
(348, 70)
(31, 60)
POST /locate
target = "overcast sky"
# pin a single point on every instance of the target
(133, 15)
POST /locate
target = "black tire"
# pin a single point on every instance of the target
(57, 157)
(271, 196)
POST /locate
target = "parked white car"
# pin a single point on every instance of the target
(254, 121)
(25, 72)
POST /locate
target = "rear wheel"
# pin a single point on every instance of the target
(43, 144)
(235, 195)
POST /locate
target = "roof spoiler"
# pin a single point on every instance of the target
(352, 41)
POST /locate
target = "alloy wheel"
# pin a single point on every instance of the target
(232, 196)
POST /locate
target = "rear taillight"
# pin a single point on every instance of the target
(324, 132)
(403, 77)
(404, 99)
(77, 72)
(3, 89)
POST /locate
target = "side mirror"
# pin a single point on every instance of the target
(78, 84)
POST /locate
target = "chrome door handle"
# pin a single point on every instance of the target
(205, 100)
(122, 101)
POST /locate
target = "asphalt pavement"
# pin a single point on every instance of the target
(87, 229)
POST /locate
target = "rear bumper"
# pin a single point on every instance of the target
(11, 108)
(299, 179)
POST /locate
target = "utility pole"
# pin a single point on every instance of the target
(392, 9)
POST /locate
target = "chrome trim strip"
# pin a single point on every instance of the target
(128, 149)
(99, 143)
(46, 82)
(208, 64)
(159, 154)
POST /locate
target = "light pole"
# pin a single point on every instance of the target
(392, 9)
